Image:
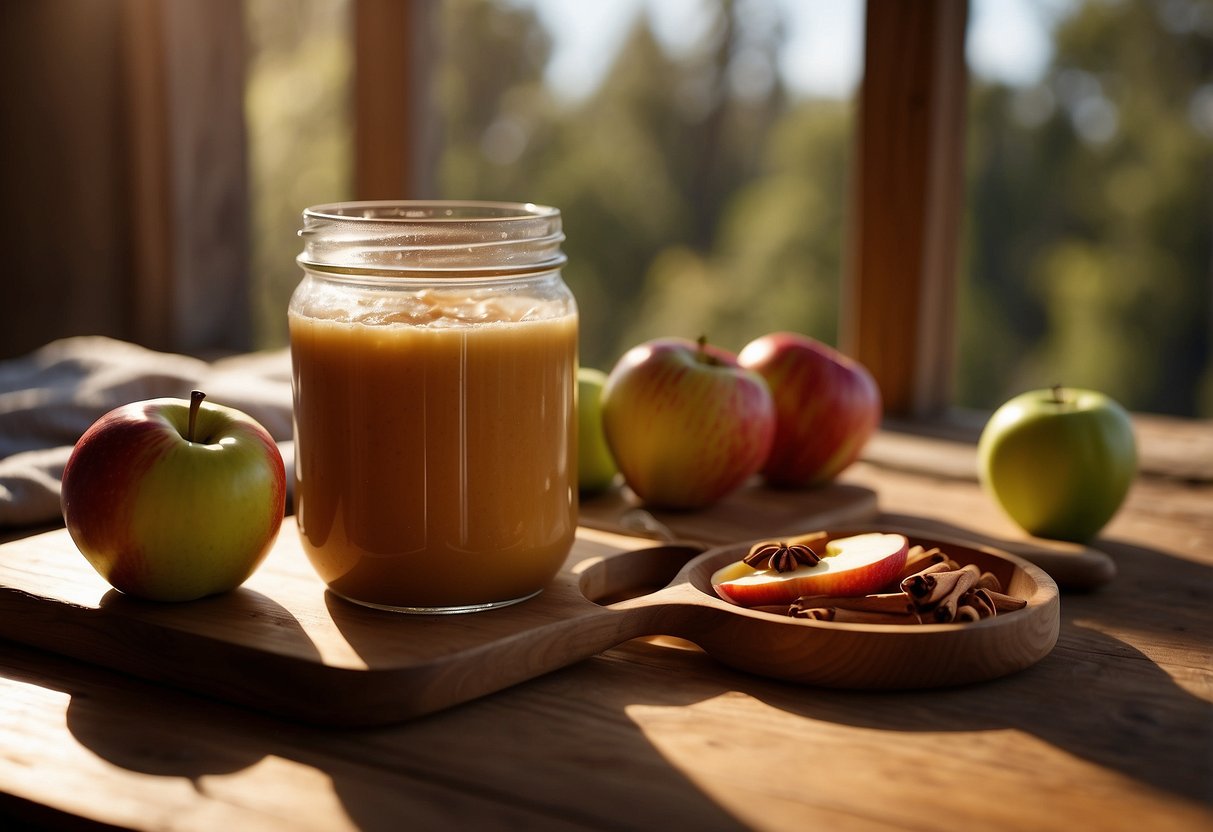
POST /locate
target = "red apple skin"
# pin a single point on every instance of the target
(165, 519)
(784, 588)
(685, 423)
(827, 406)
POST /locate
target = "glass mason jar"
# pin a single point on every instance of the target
(434, 352)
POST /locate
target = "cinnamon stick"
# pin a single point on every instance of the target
(1006, 603)
(932, 585)
(921, 553)
(989, 580)
(966, 612)
(886, 602)
(979, 598)
(939, 593)
(933, 569)
(919, 559)
(845, 616)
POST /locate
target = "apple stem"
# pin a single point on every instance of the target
(196, 398)
(1057, 394)
(701, 355)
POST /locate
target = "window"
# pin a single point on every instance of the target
(300, 135)
(1087, 250)
(965, 230)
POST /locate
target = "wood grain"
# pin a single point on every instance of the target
(283, 633)
(1114, 726)
(393, 53)
(906, 202)
(752, 511)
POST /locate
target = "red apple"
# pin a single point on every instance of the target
(685, 423)
(856, 565)
(827, 407)
(172, 500)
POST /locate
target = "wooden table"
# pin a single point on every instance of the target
(1112, 730)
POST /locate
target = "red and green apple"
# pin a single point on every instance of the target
(827, 406)
(855, 565)
(685, 423)
(172, 500)
(1059, 461)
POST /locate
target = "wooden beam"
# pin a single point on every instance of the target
(390, 98)
(906, 198)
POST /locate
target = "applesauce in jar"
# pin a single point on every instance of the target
(434, 352)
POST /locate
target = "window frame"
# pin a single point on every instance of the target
(182, 262)
(900, 279)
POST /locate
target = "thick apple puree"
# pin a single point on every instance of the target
(435, 454)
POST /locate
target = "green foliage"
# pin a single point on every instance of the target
(300, 138)
(694, 205)
(1088, 243)
(691, 206)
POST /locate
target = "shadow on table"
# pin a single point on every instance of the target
(476, 764)
(473, 765)
(1095, 697)
(577, 764)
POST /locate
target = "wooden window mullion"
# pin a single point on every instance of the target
(899, 292)
(392, 48)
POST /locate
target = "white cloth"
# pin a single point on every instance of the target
(51, 396)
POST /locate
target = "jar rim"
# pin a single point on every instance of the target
(456, 237)
(426, 211)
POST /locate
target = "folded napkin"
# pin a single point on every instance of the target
(51, 396)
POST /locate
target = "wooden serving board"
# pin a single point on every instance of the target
(283, 632)
(283, 644)
(759, 511)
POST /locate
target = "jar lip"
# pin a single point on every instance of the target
(429, 211)
(456, 237)
(388, 276)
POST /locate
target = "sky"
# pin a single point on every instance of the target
(1008, 39)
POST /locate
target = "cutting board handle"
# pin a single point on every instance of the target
(604, 602)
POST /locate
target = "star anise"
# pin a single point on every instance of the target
(781, 556)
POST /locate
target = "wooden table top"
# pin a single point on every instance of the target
(1112, 730)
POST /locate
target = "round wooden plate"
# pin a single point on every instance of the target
(842, 655)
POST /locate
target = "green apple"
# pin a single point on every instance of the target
(595, 466)
(1059, 461)
(172, 500)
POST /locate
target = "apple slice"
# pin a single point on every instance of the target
(855, 565)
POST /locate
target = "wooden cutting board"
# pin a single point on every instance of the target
(753, 511)
(758, 511)
(284, 644)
